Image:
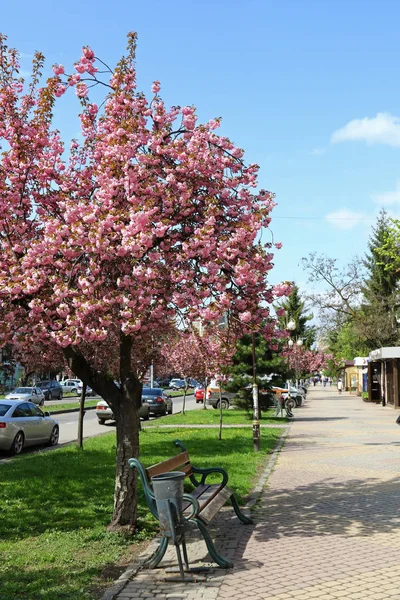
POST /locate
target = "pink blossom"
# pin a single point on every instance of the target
(278, 245)
(58, 69)
(155, 88)
(81, 90)
(60, 90)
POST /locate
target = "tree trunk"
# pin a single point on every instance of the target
(127, 426)
(220, 414)
(125, 400)
(81, 415)
(205, 393)
(184, 396)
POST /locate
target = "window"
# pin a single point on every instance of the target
(22, 410)
(4, 408)
(36, 412)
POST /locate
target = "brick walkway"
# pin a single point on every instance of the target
(327, 524)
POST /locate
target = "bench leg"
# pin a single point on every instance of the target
(223, 562)
(158, 555)
(246, 520)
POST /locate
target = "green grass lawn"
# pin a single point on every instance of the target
(211, 417)
(55, 507)
(50, 407)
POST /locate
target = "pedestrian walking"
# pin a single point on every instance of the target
(339, 386)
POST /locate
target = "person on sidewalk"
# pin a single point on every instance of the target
(339, 386)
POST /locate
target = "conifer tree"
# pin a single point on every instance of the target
(295, 310)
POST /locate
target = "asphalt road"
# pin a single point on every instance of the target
(69, 421)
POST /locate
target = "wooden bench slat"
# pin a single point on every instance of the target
(180, 462)
(216, 503)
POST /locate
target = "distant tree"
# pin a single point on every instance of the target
(295, 309)
(377, 319)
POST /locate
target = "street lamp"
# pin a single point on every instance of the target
(291, 326)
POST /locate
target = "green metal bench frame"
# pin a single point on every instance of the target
(196, 509)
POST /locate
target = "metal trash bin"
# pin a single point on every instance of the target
(168, 492)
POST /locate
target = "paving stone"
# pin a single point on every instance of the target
(326, 525)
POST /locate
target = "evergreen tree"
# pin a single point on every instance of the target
(295, 310)
(382, 281)
(377, 321)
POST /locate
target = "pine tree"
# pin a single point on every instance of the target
(382, 281)
(379, 309)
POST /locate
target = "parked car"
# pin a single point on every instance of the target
(89, 391)
(177, 384)
(225, 398)
(23, 424)
(163, 381)
(199, 394)
(70, 386)
(104, 412)
(160, 403)
(52, 390)
(29, 394)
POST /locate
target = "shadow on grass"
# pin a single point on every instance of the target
(48, 583)
(68, 489)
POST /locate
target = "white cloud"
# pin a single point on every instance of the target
(346, 219)
(317, 151)
(388, 198)
(382, 129)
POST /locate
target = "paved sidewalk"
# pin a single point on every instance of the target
(327, 524)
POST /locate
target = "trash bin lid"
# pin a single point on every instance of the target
(170, 475)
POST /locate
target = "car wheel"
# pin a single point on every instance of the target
(170, 410)
(224, 403)
(55, 434)
(18, 444)
(164, 412)
(60, 396)
(147, 416)
(74, 391)
(101, 421)
(41, 402)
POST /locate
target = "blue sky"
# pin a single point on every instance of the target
(309, 88)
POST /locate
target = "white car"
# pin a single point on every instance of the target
(70, 386)
(89, 391)
(29, 394)
(104, 412)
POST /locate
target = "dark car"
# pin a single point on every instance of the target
(163, 381)
(158, 400)
(52, 390)
(226, 399)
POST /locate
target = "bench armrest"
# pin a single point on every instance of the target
(134, 463)
(203, 472)
(210, 471)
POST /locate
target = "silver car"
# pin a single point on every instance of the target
(104, 412)
(24, 424)
(70, 386)
(29, 394)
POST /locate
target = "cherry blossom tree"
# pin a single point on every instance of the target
(148, 222)
(304, 361)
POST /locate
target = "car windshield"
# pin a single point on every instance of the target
(44, 384)
(4, 408)
(22, 391)
(152, 392)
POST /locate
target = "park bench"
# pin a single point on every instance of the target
(200, 506)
